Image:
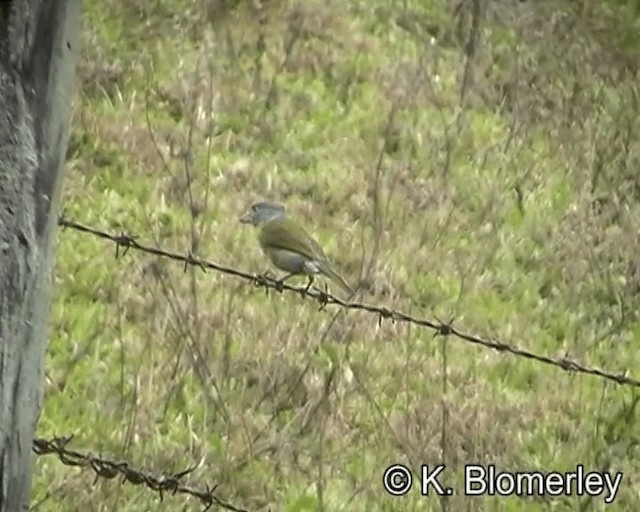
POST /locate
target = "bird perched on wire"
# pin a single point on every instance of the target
(289, 247)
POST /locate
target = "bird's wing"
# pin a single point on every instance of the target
(317, 250)
(285, 234)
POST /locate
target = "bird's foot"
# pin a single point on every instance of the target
(280, 282)
(279, 285)
(264, 279)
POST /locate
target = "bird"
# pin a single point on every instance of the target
(289, 247)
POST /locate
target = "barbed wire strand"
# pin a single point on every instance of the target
(124, 242)
(109, 469)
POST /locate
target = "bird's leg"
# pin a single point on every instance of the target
(309, 284)
(281, 281)
(263, 279)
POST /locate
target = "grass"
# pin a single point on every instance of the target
(509, 203)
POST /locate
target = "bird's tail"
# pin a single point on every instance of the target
(335, 277)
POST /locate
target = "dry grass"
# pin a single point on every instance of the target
(499, 188)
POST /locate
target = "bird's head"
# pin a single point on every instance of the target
(262, 212)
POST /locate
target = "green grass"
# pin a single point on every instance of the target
(513, 211)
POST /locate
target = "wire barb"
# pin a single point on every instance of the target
(444, 328)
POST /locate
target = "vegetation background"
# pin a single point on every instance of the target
(475, 160)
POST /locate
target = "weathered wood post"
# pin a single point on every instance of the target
(38, 51)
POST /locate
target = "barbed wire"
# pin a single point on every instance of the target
(124, 242)
(109, 469)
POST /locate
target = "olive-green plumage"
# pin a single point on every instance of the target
(289, 247)
(286, 234)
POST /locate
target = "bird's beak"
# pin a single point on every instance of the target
(246, 218)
